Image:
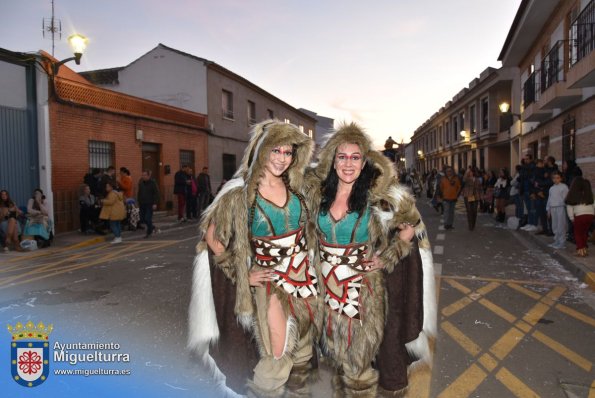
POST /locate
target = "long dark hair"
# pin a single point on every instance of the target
(8, 202)
(580, 192)
(358, 198)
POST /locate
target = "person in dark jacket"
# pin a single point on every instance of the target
(181, 184)
(109, 177)
(541, 188)
(204, 189)
(93, 180)
(527, 178)
(148, 197)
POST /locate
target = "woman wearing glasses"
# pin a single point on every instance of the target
(369, 265)
(258, 229)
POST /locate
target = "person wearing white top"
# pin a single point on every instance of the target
(556, 210)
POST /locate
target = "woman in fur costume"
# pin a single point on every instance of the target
(366, 222)
(257, 229)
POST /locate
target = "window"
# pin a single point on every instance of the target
(446, 132)
(472, 119)
(101, 154)
(187, 158)
(227, 104)
(286, 120)
(310, 133)
(270, 114)
(461, 122)
(440, 135)
(301, 128)
(455, 128)
(229, 166)
(484, 114)
(251, 112)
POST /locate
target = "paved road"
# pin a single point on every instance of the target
(511, 321)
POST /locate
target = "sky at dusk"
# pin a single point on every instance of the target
(387, 64)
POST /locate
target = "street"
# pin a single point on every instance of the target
(512, 321)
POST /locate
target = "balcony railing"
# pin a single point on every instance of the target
(529, 90)
(552, 66)
(582, 34)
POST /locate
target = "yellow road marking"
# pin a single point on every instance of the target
(497, 310)
(536, 313)
(525, 291)
(465, 384)
(487, 288)
(458, 286)
(525, 327)
(515, 385)
(506, 343)
(124, 250)
(564, 351)
(488, 362)
(460, 338)
(477, 278)
(592, 392)
(456, 306)
(575, 314)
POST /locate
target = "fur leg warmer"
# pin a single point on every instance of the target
(362, 386)
(253, 391)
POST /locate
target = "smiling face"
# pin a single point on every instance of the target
(279, 160)
(349, 162)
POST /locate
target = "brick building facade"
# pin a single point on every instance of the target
(94, 127)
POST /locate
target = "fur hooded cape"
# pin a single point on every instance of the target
(229, 213)
(391, 204)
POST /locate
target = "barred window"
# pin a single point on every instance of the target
(101, 154)
(187, 158)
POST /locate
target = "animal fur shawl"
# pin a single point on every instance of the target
(391, 204)
(229, 214)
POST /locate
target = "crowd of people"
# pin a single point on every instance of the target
(107, 201)
(194, 193)
(365, 299)
(547, 200)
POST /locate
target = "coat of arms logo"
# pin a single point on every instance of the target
(30, 353)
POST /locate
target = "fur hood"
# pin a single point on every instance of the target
(353, 134)
(264, 137)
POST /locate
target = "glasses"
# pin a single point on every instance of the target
(279, 151)
(342, 158)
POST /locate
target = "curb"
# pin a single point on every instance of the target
(579, 270)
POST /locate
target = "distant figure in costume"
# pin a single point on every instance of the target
(262, 276)
(375, 284)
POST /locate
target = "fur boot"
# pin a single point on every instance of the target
(338, 387)
(298, 384)
(253, 391)
(360, 388)
(402, 393)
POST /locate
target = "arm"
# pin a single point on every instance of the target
(30, 210)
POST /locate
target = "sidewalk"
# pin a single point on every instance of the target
(581, 267)
(75, 240)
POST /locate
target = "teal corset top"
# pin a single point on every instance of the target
(272, 220)
(350, 229)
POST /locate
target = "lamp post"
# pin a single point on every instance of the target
(505, 109)
(78, 43)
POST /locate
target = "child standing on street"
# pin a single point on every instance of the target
(580, 211)
(556, 210)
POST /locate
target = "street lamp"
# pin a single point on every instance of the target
(78, 43)
(505, 109)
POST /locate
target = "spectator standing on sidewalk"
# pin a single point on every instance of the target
(471, 193)
(93, 180)
(191, 196)
(580, 208)
(109, 177)
(181, 183)
(569, 171)
(114, 211)
(541, 189)
(556, 210)
(501, 194)
(125, 183)
(515, 194)
(527, 177)
(450, 187)
(148, 197)
(204, 189)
